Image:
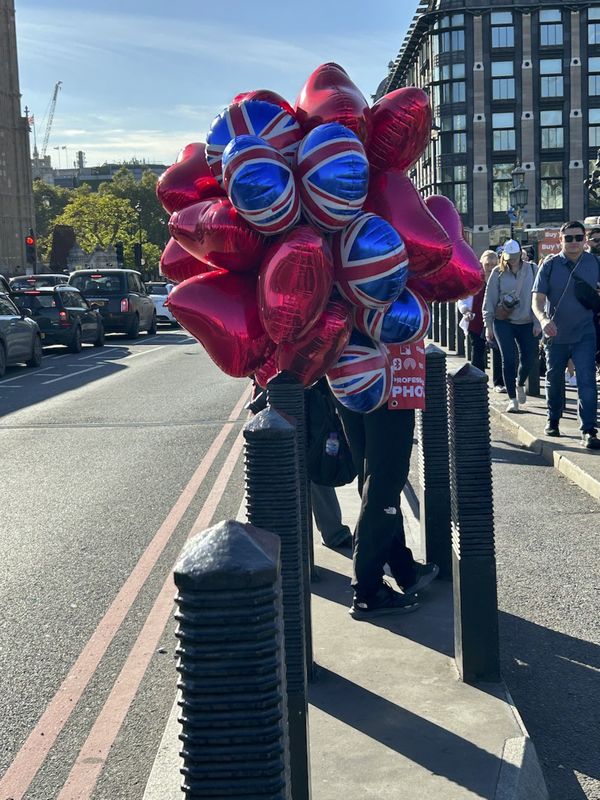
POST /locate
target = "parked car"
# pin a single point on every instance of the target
(20, 337)
(5, 286)
(37, 281)
(63, 315)
(121, 298)
(158, 293)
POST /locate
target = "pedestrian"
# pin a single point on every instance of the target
(568, 328)
(510, 321)
(381, 444)
(471, 309)
(593, 244)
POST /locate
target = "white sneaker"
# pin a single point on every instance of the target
(500, 389)
(521, 396)
(513, 406)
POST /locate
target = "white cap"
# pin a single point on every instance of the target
(511, 248)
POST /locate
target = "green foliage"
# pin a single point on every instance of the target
(98, 220)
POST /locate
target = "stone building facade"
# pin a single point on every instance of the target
(509, 82)
(16, 196)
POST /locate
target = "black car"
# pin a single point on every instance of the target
(5, 286)
(63, 315)
(37, 281)
(121, 297)
(20, 337)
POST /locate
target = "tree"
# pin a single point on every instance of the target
(49, 202)
(99, 220)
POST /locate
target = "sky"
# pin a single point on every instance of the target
(142, 78)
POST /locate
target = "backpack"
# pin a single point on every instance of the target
(329, 460)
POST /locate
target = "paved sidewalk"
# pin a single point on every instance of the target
(566, 454)
(388, 715)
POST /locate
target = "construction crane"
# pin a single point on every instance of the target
(51, 110)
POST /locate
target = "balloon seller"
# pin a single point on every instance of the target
(299, 243)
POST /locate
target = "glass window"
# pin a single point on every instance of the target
(551, 66)
(501, 183)
(458, 92)
(458, 20)
(502, 69)
(552, 86)
(461, 198)
(7, 309)
(551, 174)
(594, 114)
(503, 120)
(550, 15)
(503, 37)
(446, 124)
(459, 143)
(594, 85)
(504, 140)
(551, 118)
(444, 22)
(460, 173)
(552, 138)
(458, 71)
(501, 17)
(594, 13)
(503, 89)
(594, 64)
(458, 40)
(460, 122)
(551, 35)
(594, 33)
(444, 42)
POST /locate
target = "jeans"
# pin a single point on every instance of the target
(583, 354)
(327, 514)
(507, 335)
(478, 354)
(381, 443)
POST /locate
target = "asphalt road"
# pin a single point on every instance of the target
(95, 452)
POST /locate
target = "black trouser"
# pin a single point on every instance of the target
(381, 443)
(478, 351)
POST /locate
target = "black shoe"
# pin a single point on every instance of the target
(385, 601)
(551, 428)
(424, 575)
(589, 439)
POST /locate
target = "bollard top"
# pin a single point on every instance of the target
(270, 422)
(433, 351)
(284, 378)
(467, 374)
(229, 555)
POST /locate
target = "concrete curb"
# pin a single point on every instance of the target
(520, 775)
(550, 452)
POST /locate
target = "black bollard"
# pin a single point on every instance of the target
(231, 665)
(273, 502)
(443, 324)
(451, 326)
(434, 480)
(473, 557)
(435, 322)
(286, 394)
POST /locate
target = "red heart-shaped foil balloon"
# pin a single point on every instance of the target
(219, 308)
(188, 180)
(330, 96)
(394, 197)
(268, 96)
(177, 265)
(215, 233)
(267, 370)
(462, 275)
(309, 358)
(401, 129)
(294, 283)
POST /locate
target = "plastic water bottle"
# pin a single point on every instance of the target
(332, 445)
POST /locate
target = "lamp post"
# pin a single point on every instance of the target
(519, 195)
(435, 135)
(139, 261)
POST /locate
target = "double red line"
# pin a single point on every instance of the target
(92, 757)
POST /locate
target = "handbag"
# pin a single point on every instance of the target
(329, 460)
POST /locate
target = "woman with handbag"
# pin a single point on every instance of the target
(509, 319)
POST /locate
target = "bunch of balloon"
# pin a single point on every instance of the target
(300, 243)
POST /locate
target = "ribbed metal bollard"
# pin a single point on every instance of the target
(443, 324)
(273, 502)
(435, 322)
(451, 326)
(473, 556)
(286, 394)
(434, 474)
(231, 666)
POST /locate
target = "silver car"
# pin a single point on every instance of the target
(20, 337)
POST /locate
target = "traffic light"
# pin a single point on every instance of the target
(119, 252)
(30, 254)
(137, 255)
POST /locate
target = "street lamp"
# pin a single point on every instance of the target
(519, 195)
(435, 135)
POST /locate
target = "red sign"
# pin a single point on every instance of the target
(408, 376)
(550, 244)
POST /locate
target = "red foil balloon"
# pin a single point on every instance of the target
(220, 310)
(294, 283)
(265, 94)
(215, 233)
(188, 180)
(267, 370)
(330, 96)
(401, 129)
(309, 358)
(177, 265)
(394, 197)
(463, 275)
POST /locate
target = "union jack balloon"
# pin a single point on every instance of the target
(361, 379)
(405, 321)
(255, 118)
(260, 185)
(371, 264)
(333, 176)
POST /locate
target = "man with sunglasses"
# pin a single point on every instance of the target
(568, 329)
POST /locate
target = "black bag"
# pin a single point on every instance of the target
(586, 294)
(329, 461)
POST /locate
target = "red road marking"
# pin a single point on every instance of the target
(92, 757)
(31, 756)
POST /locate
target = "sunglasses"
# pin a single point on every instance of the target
(578, 237)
